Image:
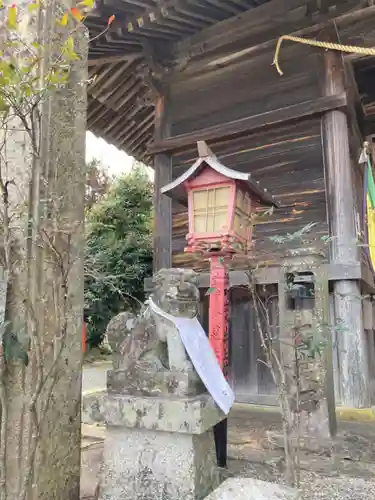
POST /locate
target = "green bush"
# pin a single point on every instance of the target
(118, 251)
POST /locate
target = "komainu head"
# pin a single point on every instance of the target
(176, 292)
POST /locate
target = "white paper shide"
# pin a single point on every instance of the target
(202, 356)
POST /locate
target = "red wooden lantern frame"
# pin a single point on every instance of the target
(228, 238)
(208, 174)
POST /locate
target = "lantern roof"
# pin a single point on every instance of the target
(176, 189)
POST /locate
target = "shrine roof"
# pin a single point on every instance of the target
(124, 59)
(120, 109)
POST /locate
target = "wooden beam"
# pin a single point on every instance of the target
(150, 17)
(115, 59)
(218, 4)
(271, 275)
(252, 123)
(252, 17)
(162, 254)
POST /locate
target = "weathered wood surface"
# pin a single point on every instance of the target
(162, 251)
(270, 274)
(288, 162)
(244, 89)
(365, 78)
(285, 115)
(248, 376)
(225, 104)
(342, 210)
(235, 103)
(263, 25)
(340, 175)
(200, 36)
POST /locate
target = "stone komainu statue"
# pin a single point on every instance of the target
(148, 355)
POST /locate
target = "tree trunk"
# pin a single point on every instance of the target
(45, 293)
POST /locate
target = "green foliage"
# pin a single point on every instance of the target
(97, 183)
(22, 86)
(118, 251)
(297, 235)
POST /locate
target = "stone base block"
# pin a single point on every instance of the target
(152, 465)
(193, 415)
(252, 489)
(167, 383)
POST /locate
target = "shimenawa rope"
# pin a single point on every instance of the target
(351, 49)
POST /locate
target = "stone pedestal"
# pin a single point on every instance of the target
(156, 448)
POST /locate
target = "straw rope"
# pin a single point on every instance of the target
(351, 49)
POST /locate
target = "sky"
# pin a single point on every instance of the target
(115, 161)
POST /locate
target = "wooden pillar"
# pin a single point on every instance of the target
(341, 208)
(162, 255)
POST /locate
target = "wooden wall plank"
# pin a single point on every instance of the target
(244, 89)
(254, 123)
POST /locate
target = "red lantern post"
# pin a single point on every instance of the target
(219, 309)
(219, 336)
(221, 203)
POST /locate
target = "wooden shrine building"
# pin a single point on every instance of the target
(169, 73)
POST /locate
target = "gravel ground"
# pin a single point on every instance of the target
(344, 488)
(313, 486)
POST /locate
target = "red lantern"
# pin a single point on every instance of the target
(221, 204)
